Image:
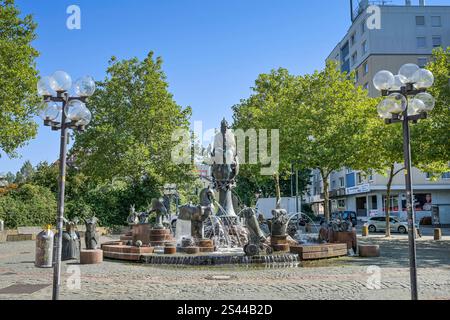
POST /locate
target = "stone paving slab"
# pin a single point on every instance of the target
(345, 278)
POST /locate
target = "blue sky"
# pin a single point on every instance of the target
(213, 50)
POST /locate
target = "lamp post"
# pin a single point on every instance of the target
(406, 100)
(63, 112)
(298, 207)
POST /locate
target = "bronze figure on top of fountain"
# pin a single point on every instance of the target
(197, 215)
(225, 168)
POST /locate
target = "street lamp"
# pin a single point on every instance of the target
(406, 100)
(63, 112)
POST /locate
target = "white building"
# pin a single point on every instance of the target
(408, 34)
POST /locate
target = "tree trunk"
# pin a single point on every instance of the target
(392, 174)
(276, 178)
(326, 196)
(388, 202)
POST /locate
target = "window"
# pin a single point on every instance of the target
(364, 47)
(356, 75)
(341, 182)
(363, 27)
(420, 20)
(366, 68)
(436, 21)
(373, 203)
(370, 176)
(333, 184)
(446, 176)
(366, 86)
(359, 178)
(437, 41)
(354, 57)
(421, 42)
(352, 40)
(422, 62)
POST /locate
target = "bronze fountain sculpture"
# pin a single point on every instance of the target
(91, 236)
(225, 168)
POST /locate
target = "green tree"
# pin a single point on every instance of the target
(18, 78)
(10, 177)
(28, 205)
(430, 138)
(134, 116)
(25, 173)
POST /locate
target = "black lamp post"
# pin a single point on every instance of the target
(298, 207)
(406, 100)
(63, 112)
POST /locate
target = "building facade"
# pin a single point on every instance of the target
(408, 34)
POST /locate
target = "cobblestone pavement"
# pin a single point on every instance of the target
(345, 278)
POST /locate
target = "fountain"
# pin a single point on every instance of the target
(211, 233)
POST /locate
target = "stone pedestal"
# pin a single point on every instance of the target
(91, 256)
(344, 237)
(141, 232)
(369, 251)
(159, 237)
(170, 250)
(279, 243)
(319, 251)
(206, 246)
(116, 250)
(191, 250)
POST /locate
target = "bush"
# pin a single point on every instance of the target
(28, 205)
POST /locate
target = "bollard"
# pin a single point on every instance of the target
(365, 231)
(2, 225)
(437, 234)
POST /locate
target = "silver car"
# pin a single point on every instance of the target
(379, 224)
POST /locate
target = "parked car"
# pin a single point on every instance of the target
(344, 215)
(379, 224)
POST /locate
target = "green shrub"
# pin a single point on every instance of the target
(28, 205)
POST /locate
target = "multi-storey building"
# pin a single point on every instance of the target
(408, 33)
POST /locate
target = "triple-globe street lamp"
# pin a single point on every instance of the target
(406, 100)
(60, 111)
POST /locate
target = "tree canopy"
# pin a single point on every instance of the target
(18, 78)
(134, 116)
(324, 120)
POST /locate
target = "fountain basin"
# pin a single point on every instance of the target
(116, 250)
(218, 259)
